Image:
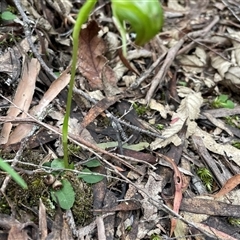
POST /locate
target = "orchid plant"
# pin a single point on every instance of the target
(145, 19)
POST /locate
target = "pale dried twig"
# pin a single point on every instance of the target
(26, 26)
(158, 79)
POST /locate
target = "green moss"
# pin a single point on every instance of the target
(233, 121)
(140, 109)
(234, 221)
(159, 126)
(74, 149)
(4, 206)
(206, 177)
(83, 200)
(155, 237)
(38, 189)
(236, 145)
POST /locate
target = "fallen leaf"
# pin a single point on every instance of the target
(37, 111)
(188, 110)
(96, 110)
(42, 220)
(91, 60)
(178, 190)
(229, 185)
(23, 96)
(215, 232)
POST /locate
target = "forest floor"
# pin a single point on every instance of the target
(154, 138)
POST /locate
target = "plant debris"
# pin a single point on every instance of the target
(154, 136)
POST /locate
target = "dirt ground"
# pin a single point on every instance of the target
(153, 144)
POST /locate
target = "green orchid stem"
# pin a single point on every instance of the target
(146, 19)
(81, 19)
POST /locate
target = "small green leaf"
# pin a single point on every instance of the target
(58, 163)
(89, 177)
(47, 164)
(222, 101)
(65, 196)
(92, 163)
(223, 98)
(229, 104)
(57, 73)
(15, 176)
(8, 16)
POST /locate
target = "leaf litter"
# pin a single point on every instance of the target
(150, 156)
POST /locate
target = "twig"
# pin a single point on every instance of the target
(162, 72)
(100, 228)
(94, 149)
(26, 27)
(116, 120)
(172, 54)
(233, 13)
(135, 84)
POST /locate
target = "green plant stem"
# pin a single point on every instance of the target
(81, 19)
(16, 177)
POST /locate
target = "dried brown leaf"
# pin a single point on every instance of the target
(37, 111)
(189, 109)
(16, 233)
(195, 62)
(23, 96)
(178, 190)
(91, 60)
(221, 65)
(229, 185)
(101, 106)
(218, 148)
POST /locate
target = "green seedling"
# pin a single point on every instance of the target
(63, 193)
(236, 145)
(234, 221)
(206, 177)
(182, 83)
(159, 126)
(155, 237)
(140, 109)
(145, 18)
(222, 101)
(128, 228)
(11, 9)
(233, 121)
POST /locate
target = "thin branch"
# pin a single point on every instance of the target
(26, 26)
(158, 79)
(233, 13)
